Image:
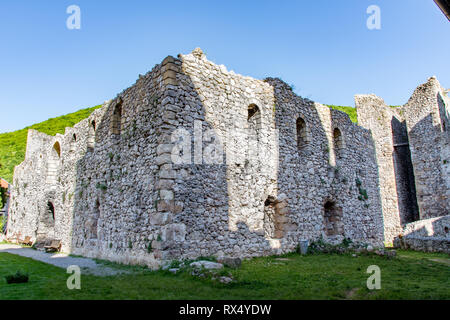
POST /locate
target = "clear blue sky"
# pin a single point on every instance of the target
(321, 47)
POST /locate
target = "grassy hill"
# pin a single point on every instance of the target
(348, 110)
(13, 144)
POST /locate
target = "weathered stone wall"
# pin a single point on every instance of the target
(144, 178)
(404, 172)
(430, 235)
(412, 145)
(337, 166)
(374, 115)
(119, 184)
(47, 180)
(103, 183)
(426, 115)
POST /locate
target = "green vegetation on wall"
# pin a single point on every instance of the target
(13, 144)
(2, 223)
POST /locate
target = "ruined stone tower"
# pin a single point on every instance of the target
(195, 160)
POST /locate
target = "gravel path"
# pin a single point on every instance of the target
(62, 260)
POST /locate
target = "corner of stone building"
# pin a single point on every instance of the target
(171, 233)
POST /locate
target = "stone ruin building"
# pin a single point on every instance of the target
(195, 160)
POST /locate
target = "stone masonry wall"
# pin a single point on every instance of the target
(426, 116)
(374, 115)
(119, 184)
(412, 145)
(266, 202)
(430, 235)
(30, 213)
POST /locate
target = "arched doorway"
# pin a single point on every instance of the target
(333, 223)
(47, 219)
(53, 164)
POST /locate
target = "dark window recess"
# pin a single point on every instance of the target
(333, 219)
(51, 211)
(404, 173)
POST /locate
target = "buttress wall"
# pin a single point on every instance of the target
(380, 119)
(426, 115)
(412, 146)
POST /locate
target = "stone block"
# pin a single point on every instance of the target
(169, 74)
(281, 219)
(281, 205)
(156, 245)
(170, 81)
(170, 67)
(166, 194)
(165, 205)
(165, 184)
(282, 197)
(168, 60)
(209, 265)
(160, 218)
(283, 211)
(167, 174)
(165, 158)
(164, 148)
(174, 232)
(230, 262)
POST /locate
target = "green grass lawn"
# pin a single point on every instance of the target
(411, 275)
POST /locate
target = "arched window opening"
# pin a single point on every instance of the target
(47, 219)
(338, 142)
(333, 219)
(273, 223)
(73, 143)
(53, 164)
(57, 149)
(50, 213)
(254, 128)
(302, 136)
(116, 120)
(252, 111)
(91, 136)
